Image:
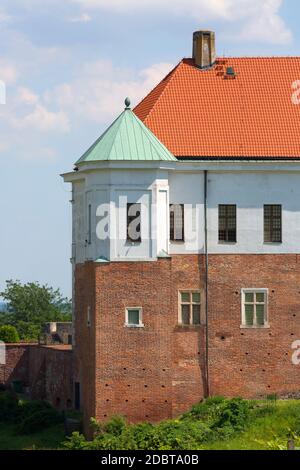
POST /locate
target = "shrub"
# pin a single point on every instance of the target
(8, 407)
(36, 415)
(234, 414)
(9, 334)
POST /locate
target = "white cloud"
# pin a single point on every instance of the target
(26, 96)
(98, 93)
(83, 18)
(256, 19)
(41, 119)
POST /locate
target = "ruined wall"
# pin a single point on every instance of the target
(46, 372)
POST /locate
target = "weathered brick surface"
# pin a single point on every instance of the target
(253, 362)
(146, 373)
(17, 364)
(158, 371)
(46, 371)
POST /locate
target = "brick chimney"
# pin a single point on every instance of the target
(204, 49)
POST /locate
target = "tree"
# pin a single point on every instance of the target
(31, 305)
(9, 334)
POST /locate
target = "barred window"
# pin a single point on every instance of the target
(227, 223)
(177, 222)
(272, 223)
(254, 307)
(134, 222)
(189, 308)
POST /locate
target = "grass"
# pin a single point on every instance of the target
(48, 439)
(271, 431)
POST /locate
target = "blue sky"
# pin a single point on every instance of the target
(68, 67)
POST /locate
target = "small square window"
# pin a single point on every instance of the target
(133, 317)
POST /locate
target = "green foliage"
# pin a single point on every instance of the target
(8, 407)
(34, 416)
(31, 305)
(28, 331)
(27, 416)
(216, 423)
(9, 334)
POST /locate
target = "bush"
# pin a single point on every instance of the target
(28, 331)
(8, 407)
(35, 416)
(9, 334)
(234, 414)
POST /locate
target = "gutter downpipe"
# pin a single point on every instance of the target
(206, 287)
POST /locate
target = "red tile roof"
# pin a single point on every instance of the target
(201, 113)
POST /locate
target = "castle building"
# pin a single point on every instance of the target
(186, 241)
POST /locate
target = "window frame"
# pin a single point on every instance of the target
(255, 291)
(130, 219)
(172, 239)
(191, 303)
(131, 325)
(226, 229)
(271, 230)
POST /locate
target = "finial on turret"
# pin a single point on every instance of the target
(127, 103)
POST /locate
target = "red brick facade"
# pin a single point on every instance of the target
(158, 371)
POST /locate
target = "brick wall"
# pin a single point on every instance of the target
(258, 362)
(158, 371)
(46, 371)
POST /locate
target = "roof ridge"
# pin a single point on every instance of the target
(171, 75)
(147, 132)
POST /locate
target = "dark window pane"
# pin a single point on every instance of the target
(177, 222)
(260, 315)
(196, 314)
(133, 317)
(272, 223)
(260, 297)
(249, 297)
(249, 314)
(227, 223)
(134, 222)
(185, 314)
(196, 297)
(185, 297)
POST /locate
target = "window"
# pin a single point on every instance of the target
(133, 317)
(272, 223)
(177, 222)
(227, 223)
(254, 308)
(189, 308)
(134, 222)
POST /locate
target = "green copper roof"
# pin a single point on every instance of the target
(127, 139)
